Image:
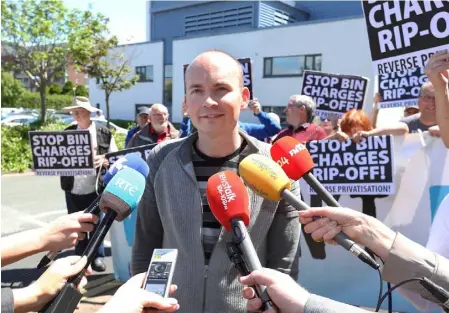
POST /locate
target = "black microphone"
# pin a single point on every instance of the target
(119, 199)
(236, 257)
(93, 208)
(437, 291)
(229, 201)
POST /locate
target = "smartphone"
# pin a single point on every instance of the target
(160, 272)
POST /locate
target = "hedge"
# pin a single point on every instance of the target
(32, 100)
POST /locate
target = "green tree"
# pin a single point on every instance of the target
(41, 36)
(82, 91)
(107, 63)
(55, 89)
(12, 90)
(67, 89)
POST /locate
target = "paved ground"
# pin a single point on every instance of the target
(29, 202)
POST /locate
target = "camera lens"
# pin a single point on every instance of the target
(159, 268)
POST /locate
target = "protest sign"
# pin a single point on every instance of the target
(62, 153)
(144, 151)
(334, 94)
(422, 182)
(400, 89)
(404, 34)
(247, 75)
(363, 168)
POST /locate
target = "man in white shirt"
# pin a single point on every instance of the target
(81, 191)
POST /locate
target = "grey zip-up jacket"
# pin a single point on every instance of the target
(170, 216)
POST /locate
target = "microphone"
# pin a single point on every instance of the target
(120, 197)
(229, 202)
(297, 163)
(267, 179)
(437, 291)
(236, 257)
(131, 160)
(93, 208)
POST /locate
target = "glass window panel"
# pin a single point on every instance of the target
(309, 63)
(268, 67)
(292, 65)
(149, 73)
(318, 63)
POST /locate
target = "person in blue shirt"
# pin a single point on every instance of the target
(142, 120)
(267, 128)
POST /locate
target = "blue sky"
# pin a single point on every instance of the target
(126, 17)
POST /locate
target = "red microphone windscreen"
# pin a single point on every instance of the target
(292, 156)
(228, 198)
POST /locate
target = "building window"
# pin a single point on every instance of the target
(145, 73)
(291, 66)
(97, 80)
(168, 83)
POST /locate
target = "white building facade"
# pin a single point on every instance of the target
(146, 60)
(339, 46)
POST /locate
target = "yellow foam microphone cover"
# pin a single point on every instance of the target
(264, 176)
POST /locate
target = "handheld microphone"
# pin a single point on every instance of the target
(93, 208)
(229, 201)
(236, 257)
(266, 178)
(297, 163)
(131, 160)
(437, 291)
(120, 197)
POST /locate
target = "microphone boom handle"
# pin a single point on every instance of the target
(341, 238)
(94, 243)
(317, 187)
(243, 240)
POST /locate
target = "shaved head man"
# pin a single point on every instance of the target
(214, 98)
(174, 211)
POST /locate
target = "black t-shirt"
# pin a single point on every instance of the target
(414, 123)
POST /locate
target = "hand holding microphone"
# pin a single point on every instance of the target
(266, 178)
(65, 231)
(35, 296)
(131, 160)
(119, 199)
(286, 294)
(229, 202)
(363, 229)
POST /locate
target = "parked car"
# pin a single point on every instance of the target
(19, 119)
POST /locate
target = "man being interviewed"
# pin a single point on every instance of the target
(174, 212)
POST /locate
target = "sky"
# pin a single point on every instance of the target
(127, 18)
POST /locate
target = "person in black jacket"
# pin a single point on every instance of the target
(81, 191)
